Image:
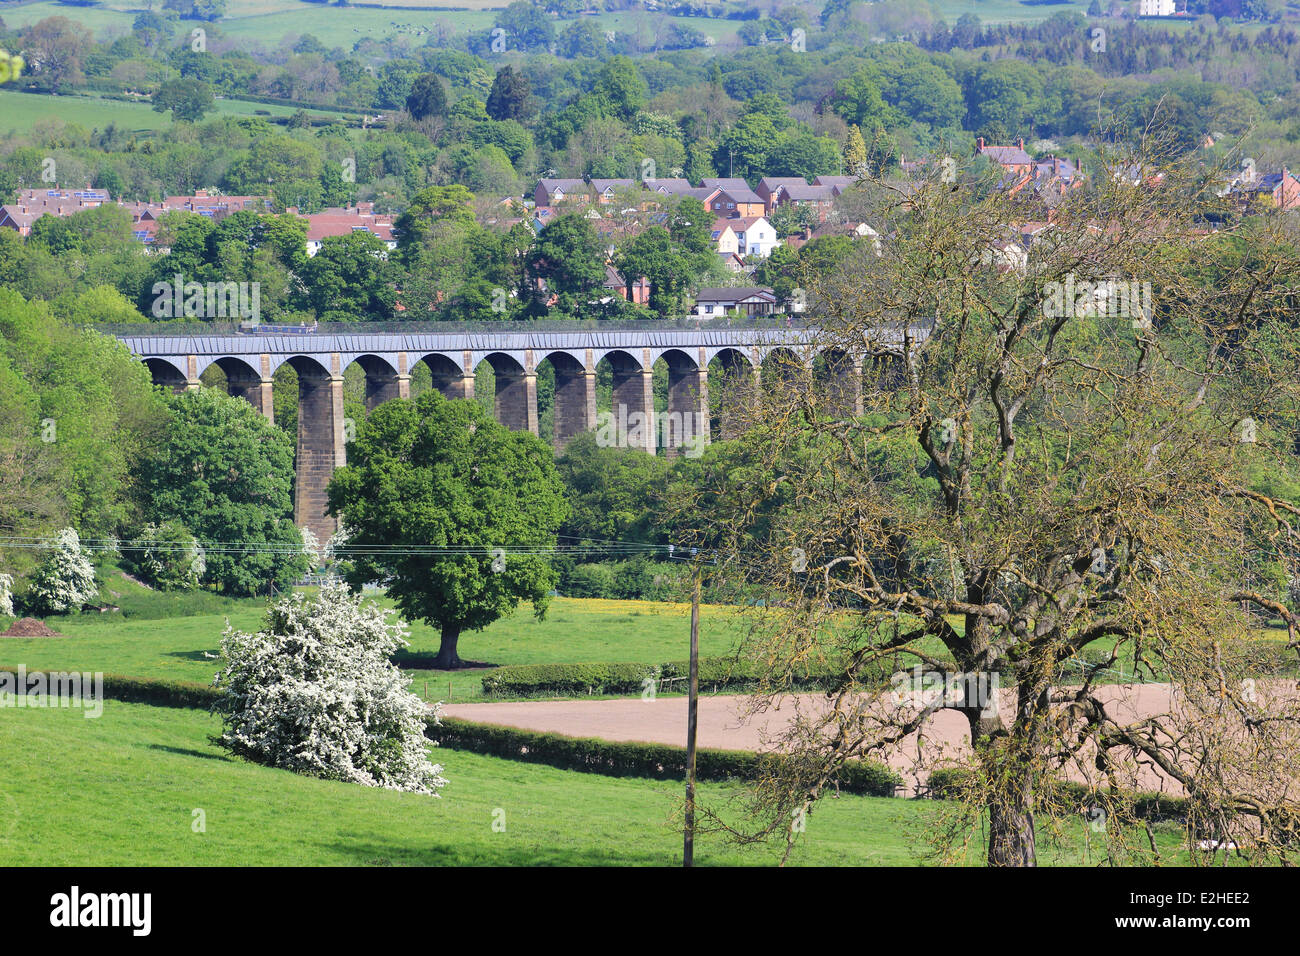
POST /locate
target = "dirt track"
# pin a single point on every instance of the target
(722, 725)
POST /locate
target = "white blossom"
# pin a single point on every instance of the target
(310, 545)
(162, 565)
(315, 692)
(66, 579)
(338, 540)
(7, 595)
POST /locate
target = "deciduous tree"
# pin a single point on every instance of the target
(440, 485)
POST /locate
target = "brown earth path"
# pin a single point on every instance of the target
(723, 724)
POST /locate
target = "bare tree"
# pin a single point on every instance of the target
(1065, 475)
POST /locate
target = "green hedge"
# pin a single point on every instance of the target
(141, 690)
(624, 678)
(657, 761)
(598, 678)
(948, 783)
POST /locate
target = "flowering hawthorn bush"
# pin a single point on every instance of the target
(169, 557)
(65, 580)
(314, 692)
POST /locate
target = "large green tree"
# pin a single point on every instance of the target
(187, 98)
(566, 261)
(427, 98)
(510, 95)
(351, 280)
(226, 474)
(444, 477)
(80, 414)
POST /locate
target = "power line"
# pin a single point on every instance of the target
(343, 551)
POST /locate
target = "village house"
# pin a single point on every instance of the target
(1013, 159)
(755, 236)
(819, 199)
(342, 222)
(733, 199)
(552, 192)
(680, 187)
(838, 183)
(725, 237)
(32, 204)
(770, 189)
(615, 283)
(144, 221)
(606, 189)
(745, 300)
(1280, 189)
(215, 206)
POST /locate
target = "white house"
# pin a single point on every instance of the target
(747, 300)
(1155, 8)
(754, 236)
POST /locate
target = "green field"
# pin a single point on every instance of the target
(122, 790)
(268, 22)
(22, 111)
(167, 635)
(173, 647)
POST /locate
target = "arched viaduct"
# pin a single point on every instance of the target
(387, 359)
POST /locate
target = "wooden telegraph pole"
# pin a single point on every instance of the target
(692, 714)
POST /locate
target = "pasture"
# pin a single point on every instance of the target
(21, 112)
(167, 636)
(123, 789)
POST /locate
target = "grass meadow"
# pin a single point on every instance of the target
(123, 789)
(167, 635)
(268, 23)
(20, 112)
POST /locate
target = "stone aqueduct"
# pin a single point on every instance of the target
(250, 363)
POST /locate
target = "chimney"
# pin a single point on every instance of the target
(1021, 142)
(981, 143)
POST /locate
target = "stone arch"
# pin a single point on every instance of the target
(574, 404)
(382, 380)
(783, 368)
(448, 376)
(632, 405)
(166, 374)
(837, 377)
(514, 393)
(321, 446)
(733, 378)
(242, 380)
(684, 427)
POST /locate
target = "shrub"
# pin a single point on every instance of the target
(628, 759)
(65, 580)
(166, 556)
(621, 678)
(600, 678)
(588, 581)
(314, 691)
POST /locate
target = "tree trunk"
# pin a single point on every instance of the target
(447, 657)
(1011, 834)
(1010, 805)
